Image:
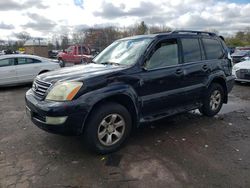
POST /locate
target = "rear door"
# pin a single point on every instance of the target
(27, 69)
(8, 71)
(216, 57)
(196, 69)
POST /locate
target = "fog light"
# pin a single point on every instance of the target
(55, 120)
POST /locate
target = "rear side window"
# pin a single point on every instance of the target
(24, 61)
(31, 60)
(191, 50)
(212, 48)
(82, 50)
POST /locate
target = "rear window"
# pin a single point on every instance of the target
(212, 48)
(191, 50)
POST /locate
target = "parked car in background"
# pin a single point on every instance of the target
(53, 54)
(239, 55)
(19, 69)
(75, 54)
(134, 80)
(231, 49)
(241, 71)
(2, 52)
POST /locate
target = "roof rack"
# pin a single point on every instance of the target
(194, 32)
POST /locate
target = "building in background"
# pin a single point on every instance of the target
(37, 47)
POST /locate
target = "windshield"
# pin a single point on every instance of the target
(124, 52)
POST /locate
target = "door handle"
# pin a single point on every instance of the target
(205, 67)
(179, 71)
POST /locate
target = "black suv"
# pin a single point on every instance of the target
(134, 80)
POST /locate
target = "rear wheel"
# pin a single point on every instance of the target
(213, 100)
(108, 127)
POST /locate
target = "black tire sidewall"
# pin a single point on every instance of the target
(96, 116)
(206, 109)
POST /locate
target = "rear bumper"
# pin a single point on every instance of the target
(74, 111)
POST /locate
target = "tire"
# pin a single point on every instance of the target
(107, 128)
(61, 62)
(213, 100)
(83, 61)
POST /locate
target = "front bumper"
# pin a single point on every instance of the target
(72, 113)
(242, 75)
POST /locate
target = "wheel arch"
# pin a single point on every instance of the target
(122, 99)
(43, 71)
(222, 82)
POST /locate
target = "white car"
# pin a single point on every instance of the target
(241, 71)
(19, 69)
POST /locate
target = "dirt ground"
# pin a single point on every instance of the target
(187, 150)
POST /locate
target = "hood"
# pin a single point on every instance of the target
(243, 65)
(240, 53)
(79, 72)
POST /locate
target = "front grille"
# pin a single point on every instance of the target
(243, 74)
(40, 88)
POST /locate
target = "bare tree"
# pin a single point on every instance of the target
(78, 37)
(64, 41)
(23, 37)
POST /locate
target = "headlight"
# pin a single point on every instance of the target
(64, 91)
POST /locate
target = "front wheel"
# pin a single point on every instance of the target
(83, 61)
(107, 128)
(61, 62)
(213, 100)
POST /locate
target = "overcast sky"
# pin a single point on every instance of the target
(42, 18)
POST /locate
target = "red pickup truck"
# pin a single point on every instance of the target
(75, 54)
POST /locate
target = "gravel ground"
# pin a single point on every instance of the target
(187, 150)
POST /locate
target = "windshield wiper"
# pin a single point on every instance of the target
(110, 63)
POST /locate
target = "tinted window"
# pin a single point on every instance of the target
(212, 48)
(191, 50)
(6, 62)
(22, 61)
(31, 60)
(166, 54)
(82, 50)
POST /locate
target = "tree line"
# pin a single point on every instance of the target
(99, 38)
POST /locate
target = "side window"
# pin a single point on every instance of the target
(191, 50)
(82, 50)
(212, 48)
(21, 61)
(24, 61)
(30, 60)
(6, 62)
(165, 54)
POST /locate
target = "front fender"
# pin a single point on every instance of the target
(93, 97)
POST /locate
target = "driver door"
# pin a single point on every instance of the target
(161, 79)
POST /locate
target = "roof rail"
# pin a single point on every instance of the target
(194, 32)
